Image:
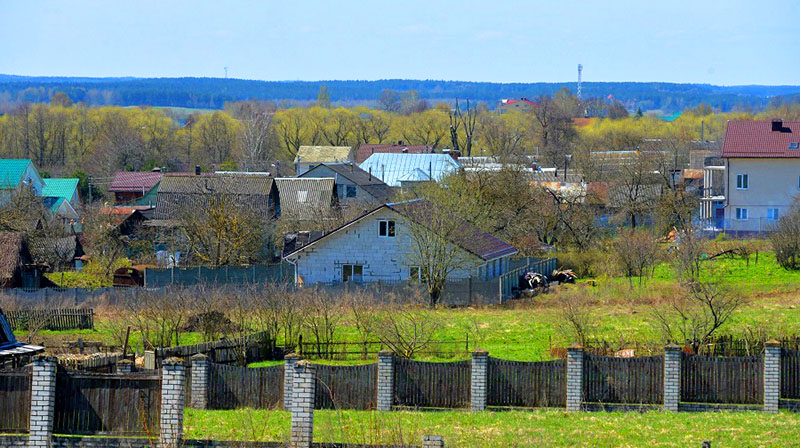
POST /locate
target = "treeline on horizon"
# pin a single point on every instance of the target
(213, 93)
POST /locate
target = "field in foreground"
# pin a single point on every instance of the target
(510, 429)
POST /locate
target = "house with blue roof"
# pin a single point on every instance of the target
(15, 173)
(64, 188)
(406, 170)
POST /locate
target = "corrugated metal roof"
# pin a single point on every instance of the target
(11, 171)
(391, 168)
(368, 149)
(177, 192)
(60, 187)
(305, 199)
(131, 182)
(757, 139)
(321, 154)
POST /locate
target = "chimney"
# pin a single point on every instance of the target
(197, 170)
(351, 167)
(777, 125)
(370, 174)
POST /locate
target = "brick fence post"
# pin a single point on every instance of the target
(124, 366)
(480, 376)
(288, 376)
(199, 381)
(43, 401)
(303, 405)
(385, 380)
(672, 377)
(173, 381)
(432, 442)
(772, 375)
(574, 378)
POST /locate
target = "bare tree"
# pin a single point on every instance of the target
(577, 319)
(687, 250)
(786, 240)
(407, 330)
(465, 120)
(635, 253)
(321, 316)
(257, 136)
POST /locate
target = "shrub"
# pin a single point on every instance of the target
(786, 241)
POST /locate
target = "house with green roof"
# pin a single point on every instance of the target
(17, 172)
(64, 188)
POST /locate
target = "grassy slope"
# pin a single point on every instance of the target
(510, 429)
(525, 330)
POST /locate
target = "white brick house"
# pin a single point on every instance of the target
(378, 247)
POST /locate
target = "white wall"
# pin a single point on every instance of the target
(386, 259)
(773, 183)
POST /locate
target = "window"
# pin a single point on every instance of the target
(386, 228)
(352, 272)
(414, 273)
(742, 181)
(351, 191)
(773, 214)
(741, 214)
(794, 145)
(302, 196)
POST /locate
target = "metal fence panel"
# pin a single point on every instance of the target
(527, 384)
(790, 374)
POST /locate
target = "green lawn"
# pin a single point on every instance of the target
(510, 429)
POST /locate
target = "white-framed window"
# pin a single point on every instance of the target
(415, 273)
(742, 181)
(773, 214)
(386, 228)
(741, 214)
(302, 196)
(352, 272)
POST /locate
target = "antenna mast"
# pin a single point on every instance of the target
(580, 69)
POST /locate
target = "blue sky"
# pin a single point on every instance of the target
(716, 42)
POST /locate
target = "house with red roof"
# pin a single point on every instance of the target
(762, 173)
(522, 105)
(135, 188)
(378, 246)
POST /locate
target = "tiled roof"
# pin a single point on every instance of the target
(350, 171)
(368, 149)
(320, 154)
(66, 249)
(391, 168)
(60, 187)
(177, 192)
(305, 199)
(11, 171)
(131, 182)
(758, 139)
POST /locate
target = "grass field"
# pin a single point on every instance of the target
(510, 429)
(525, 330)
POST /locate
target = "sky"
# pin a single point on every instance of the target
(727, 42)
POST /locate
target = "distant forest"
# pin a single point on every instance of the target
(213, 93)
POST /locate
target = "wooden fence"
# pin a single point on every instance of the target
(527, 384)
(97, 364)
(253, 348)
(369, 349)
(623, 380)
(15, 401)
(107, 404)
(432, 385)
(790, 374)
(53, 319)
(346, 387)
(707, 379)
(232, 387)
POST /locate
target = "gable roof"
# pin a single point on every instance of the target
(367, 149)
(178, 191)
(133, 182)
(392, 168)
(64, 249)
(753, 139)
(60, 187)
(305, 199)
(320, 154)
(11, 172)
(470, 238)
(350, 171)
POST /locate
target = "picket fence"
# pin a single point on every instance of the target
(51, 319)
(521, 384)
(15, 400)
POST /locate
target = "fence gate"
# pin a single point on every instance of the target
(15, 401)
